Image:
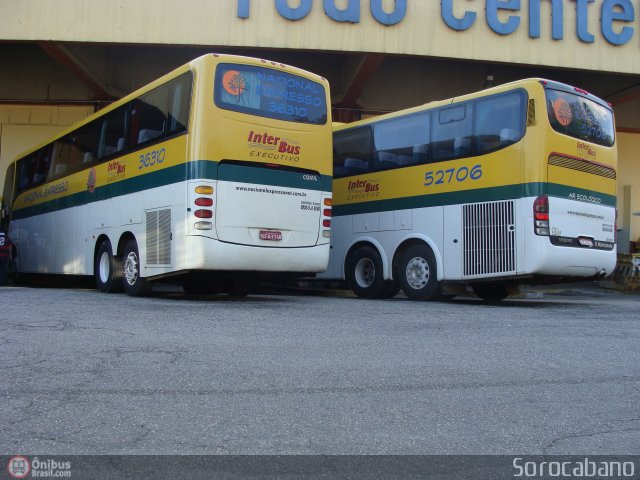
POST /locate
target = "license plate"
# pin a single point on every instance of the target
(586, 241)
(270, 235)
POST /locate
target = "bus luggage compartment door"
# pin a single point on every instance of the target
(263, 206)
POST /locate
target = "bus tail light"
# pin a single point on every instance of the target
(541, 215)
(203, 226)
(326, 217)
(204, 202)
(204, 190)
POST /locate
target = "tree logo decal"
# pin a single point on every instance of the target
(234, 83)
(563, 112)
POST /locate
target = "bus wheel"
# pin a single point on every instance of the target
(364, 273)
(491, 293)
(134, 284)
(107, 270)
(418, 273)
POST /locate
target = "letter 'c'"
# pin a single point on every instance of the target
(459, 24)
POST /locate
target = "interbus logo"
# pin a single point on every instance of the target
(270, 142)
(361, 189)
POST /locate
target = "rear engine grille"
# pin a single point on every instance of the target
(159, 237)
(489, 238)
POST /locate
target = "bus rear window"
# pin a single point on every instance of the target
(270, 93)
(580, 117)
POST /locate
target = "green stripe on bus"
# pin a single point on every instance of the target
(273, 177)
(581, 195)
(507, 192)
(200, 169)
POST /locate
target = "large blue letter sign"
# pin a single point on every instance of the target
(557, 15)
(297, 13)
(494, 22)
(350, 14)
(453, 22)
(389, 18)
(617, 10)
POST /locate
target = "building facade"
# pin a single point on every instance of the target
(60, 60)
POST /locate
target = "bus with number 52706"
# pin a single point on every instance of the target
(511, 185)
(216, 175)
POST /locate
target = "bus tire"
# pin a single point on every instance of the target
(364, 273)
(490, 293)
(418, 273)
(107, 269)
(134, 284)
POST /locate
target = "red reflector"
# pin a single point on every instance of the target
(203, 213)
(326, 223)
(326, 212)
(542, 216)
(204, 202)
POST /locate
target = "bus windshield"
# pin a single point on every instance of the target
(580, 117)
(270, 93)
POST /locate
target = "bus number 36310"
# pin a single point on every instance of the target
(150, 159)
(460, 174)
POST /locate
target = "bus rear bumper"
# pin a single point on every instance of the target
(570, 262)
(203, 253)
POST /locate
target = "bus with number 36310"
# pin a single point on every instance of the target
(216, 175)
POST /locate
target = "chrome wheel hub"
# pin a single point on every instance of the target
(417, 273)
(131, 270)
(365, 272)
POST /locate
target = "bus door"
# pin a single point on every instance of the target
(267, 205)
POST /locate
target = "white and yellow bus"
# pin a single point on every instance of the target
(514, 184)
(216, 174)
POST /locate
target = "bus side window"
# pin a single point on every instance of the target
(149, 116)
(60, 157)
(85, 145)
(453, 132)
(113, 132)
(180, 101)
(499, 121)
(42, 159)
(9, 190)
(402, 141)
(353, 150)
